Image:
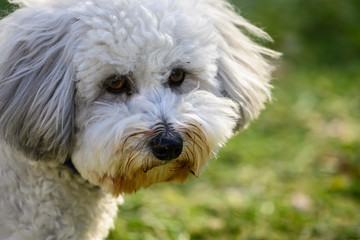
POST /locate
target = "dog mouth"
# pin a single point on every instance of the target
(161, 154)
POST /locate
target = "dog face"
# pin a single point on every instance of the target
(135, 92)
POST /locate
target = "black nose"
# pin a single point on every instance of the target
(166, 145)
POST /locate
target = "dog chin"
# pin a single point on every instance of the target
(176, 171)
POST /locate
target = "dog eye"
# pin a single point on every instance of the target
(117, 84)
(177, 77)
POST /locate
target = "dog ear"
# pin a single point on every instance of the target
(36, 82)
(243, 67)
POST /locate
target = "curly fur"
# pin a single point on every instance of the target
(55, 58)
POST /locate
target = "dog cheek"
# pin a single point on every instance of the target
(100, 139)
(216, 116)
(95, 150)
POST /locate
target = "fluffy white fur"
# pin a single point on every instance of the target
(56, 57)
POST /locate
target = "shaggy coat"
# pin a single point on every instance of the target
(99, 98)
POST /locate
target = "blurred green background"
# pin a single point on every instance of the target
(295, 173)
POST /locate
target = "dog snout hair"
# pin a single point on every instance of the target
(166, 144)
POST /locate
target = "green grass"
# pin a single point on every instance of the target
(294, 174)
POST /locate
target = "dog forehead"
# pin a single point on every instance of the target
(121, 32)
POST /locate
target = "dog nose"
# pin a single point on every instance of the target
(166, 146)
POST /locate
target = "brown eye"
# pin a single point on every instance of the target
(117, 84)
(177, 77)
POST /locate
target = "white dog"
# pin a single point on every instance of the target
(100, 98)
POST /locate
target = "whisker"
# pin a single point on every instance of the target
(192, 172)
(145, 166)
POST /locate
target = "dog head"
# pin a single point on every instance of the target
(135, 92)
